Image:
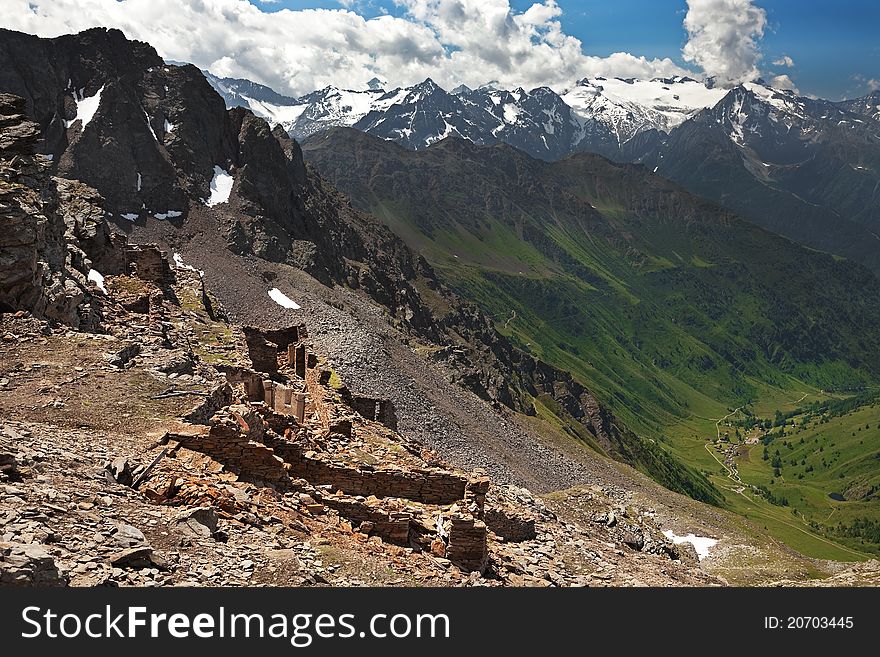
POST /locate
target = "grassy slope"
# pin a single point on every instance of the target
(669, 310)
(837, 455)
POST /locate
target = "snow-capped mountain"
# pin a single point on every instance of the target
(418, 116)
(868, 106)
(537, 121)
(328, 107)
(260, 99)
(624, 119)
(774, 135)
(806, 168)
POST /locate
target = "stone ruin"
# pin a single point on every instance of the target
(270, 349)
(293, 430)
(371, 408)
(148, 263)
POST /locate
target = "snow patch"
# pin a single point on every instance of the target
(702, 544)
(170, 214)
(282, 299)
(180, 264)
(139, 181)
(221, 187)
(169, 127)
(150, 126)
(96, 278)
(85, 107)
(131, 216)
(511, 112)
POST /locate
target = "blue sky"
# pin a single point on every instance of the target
(829, 49)
(835, 45)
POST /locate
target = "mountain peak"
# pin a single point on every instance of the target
(427, 83)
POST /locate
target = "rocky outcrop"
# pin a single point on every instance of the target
(36, 266)
(28, 565)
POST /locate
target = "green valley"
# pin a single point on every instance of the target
(671, 310)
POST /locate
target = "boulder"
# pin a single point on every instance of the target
(200, 522)
(28, 565)
(121, 471)
(137, 558)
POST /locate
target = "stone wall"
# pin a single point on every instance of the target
(509, 524)
(227, 441)
(270, 348)
(467, 547)
(202, 412)
(391, 526)
(372, 408)
(262, 352)
(324, 402)
(250, 380)
(148, 263)
(286, 400)
(419, 485)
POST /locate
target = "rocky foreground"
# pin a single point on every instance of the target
(176, 449)
(134, 461)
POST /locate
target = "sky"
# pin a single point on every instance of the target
(825, 49)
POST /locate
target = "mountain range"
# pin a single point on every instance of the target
(808, 169)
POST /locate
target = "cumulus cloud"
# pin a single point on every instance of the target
(864, 84)
(724, 37)
(784, 82)
(297, 51)
(785, 60)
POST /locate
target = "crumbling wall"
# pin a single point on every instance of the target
(419, 485)
(226, 441)
(250, 380)
(148, 263)
(509, 524)
(373, 408)
(467, 546)
(263, 353)
(324, 402)
(285, 400)
(391, 526)
(284, 337)
(217, 398)
(266, 347)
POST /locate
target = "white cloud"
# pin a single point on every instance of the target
(863, 82)
(451, 41)
(723, 38)
(785, 60)
(784, 82)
